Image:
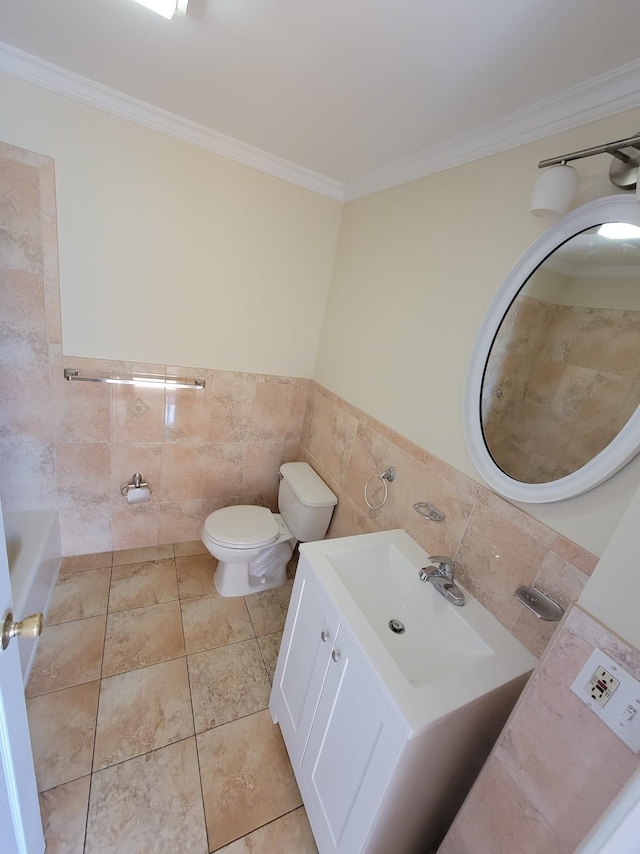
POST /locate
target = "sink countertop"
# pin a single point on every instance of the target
(447, 658)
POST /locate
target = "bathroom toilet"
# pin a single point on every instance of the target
(254, 545)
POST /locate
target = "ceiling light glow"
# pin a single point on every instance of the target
(166, 8)
(619, 230)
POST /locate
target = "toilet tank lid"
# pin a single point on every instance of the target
(307, 486)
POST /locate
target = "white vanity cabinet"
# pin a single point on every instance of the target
(386, 732)
(343, 740)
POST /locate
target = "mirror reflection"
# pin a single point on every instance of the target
(563, 374)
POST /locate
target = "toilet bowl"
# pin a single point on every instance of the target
(254, 545)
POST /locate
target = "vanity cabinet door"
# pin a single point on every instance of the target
(305, 653)
(353, 747)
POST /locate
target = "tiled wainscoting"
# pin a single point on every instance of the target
(71, 445)
(556, 767)
(497, 546)
(148, 711)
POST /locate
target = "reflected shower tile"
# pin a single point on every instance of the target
(20, 202)
(22, 300)
(20, 251)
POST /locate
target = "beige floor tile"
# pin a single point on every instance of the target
(227, 683)
(68, 654)
(141, 637)
(78, 595)
(81, 562)
(142, 710)
(290, 834)
(195, 575)
(151, 803)
(270, 647)
(268, 610)
(64, 816)
(247, 778)
(134, 585)
(140, 555)
(62, 727)
(214, 620)
(193, 547)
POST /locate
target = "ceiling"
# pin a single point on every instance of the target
(344, 88)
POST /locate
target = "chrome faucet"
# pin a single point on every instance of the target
(442, 579)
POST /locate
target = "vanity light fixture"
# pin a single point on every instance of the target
(166, 8)
(557, 184)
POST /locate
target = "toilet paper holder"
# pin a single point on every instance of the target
(136, 483)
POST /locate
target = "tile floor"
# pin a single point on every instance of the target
(148, 711)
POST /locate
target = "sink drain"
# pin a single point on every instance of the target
(396, 626)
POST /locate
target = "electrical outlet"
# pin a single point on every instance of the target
(612, 694)
(601, 686)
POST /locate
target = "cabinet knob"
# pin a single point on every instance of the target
(335, 655)
(324, 636)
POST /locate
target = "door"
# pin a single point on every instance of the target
(304, 657)
(20, 824)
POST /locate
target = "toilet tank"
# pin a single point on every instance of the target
(305, 501)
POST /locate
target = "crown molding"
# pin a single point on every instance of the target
(598, 98)
(56, 79)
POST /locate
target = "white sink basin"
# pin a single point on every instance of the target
(447, 657)
(437, 641)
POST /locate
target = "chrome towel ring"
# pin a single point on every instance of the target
(387, 476)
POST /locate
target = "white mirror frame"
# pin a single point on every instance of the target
(626, 444)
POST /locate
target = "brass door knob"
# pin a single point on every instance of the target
(30, 627)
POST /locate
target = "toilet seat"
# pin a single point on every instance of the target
(243, 526)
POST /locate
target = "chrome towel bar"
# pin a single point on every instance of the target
(142, 380)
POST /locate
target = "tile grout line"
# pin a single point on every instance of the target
(95, 731)
(255, 829)
(193, 717)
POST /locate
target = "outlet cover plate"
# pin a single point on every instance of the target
(621, 711)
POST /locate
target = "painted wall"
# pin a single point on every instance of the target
(416, 268)
(171, 254)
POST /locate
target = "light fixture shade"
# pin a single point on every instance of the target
(554, 191)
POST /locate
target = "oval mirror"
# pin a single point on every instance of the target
(553, 386)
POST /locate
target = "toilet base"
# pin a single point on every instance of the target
(233, 579)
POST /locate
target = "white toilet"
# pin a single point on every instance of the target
(254, 545)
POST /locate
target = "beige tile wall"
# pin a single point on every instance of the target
(556, 767)
(72, 445)
(497, 546)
